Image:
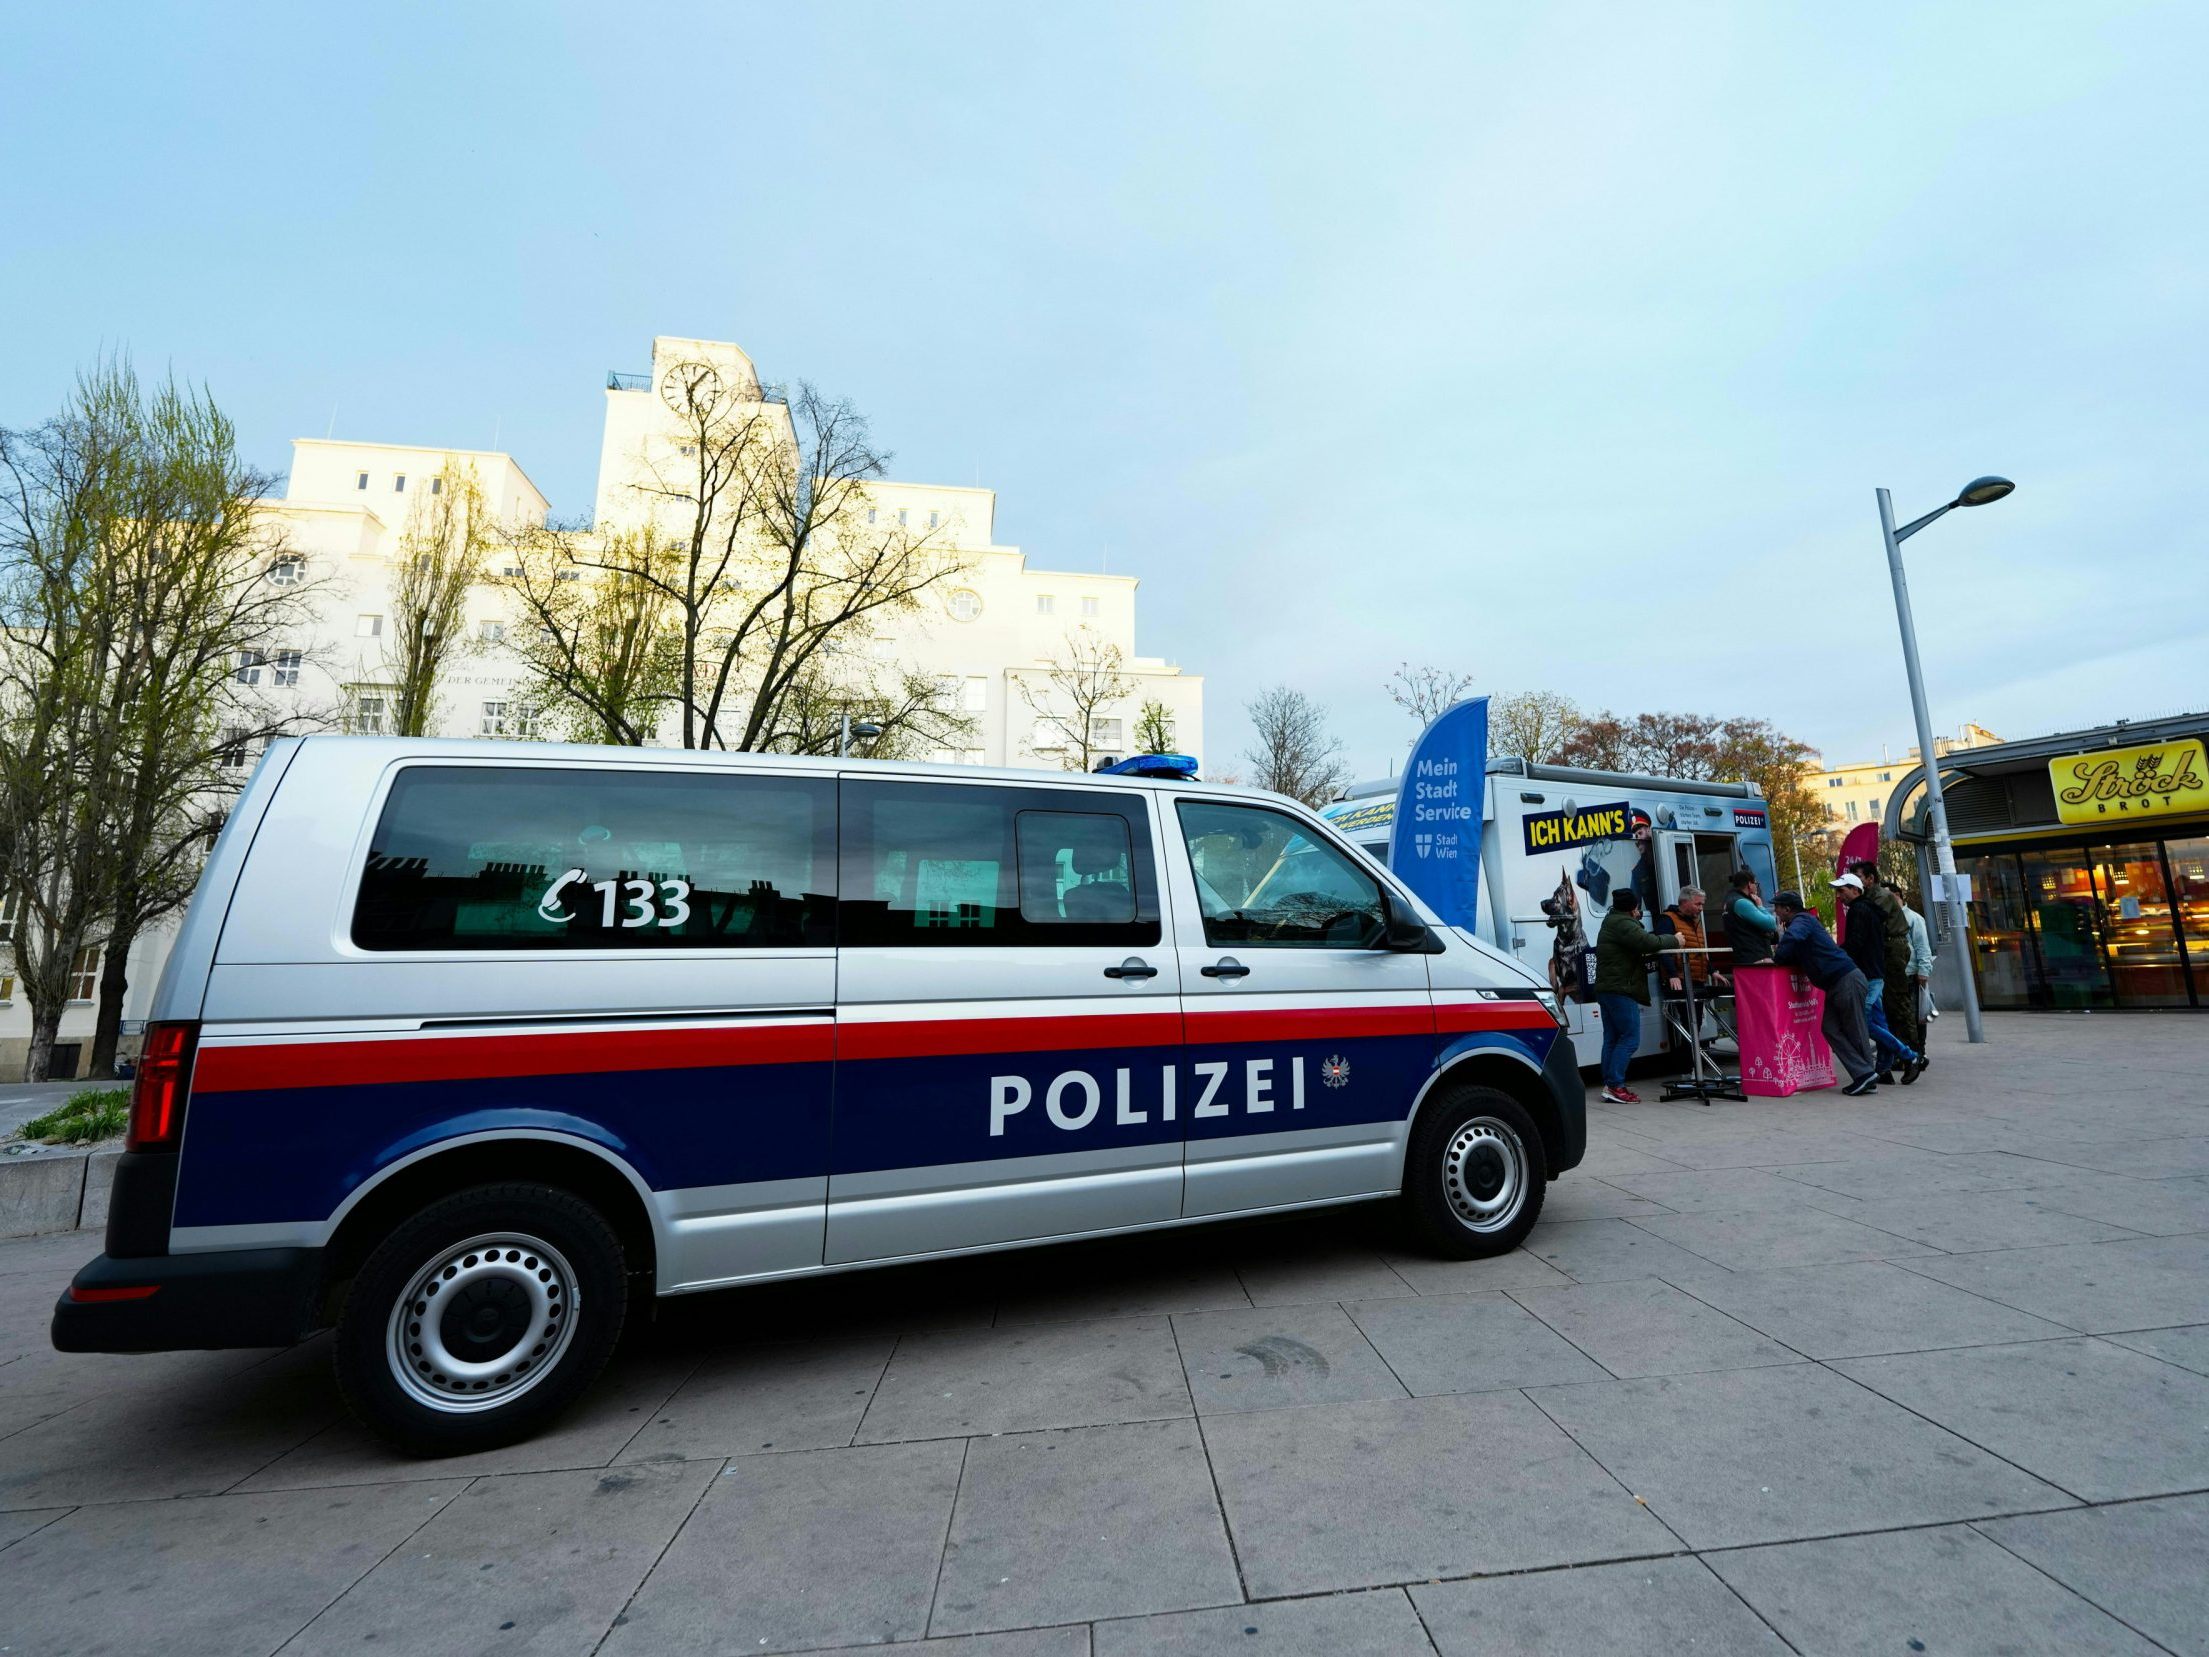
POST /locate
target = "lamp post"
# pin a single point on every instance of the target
(847, 730)
(1978, 492)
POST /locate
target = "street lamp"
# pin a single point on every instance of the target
(863, 730)
(1978, 492)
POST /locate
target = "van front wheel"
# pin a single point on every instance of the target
(481, 1318)
(1474, 1174)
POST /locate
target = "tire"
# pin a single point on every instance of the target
(1474, 1174)
(542, 1274)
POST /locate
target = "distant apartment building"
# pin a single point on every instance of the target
(986, 632)
(1857, 792)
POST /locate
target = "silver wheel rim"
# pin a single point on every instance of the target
(482, 1322)
(1484, 1175)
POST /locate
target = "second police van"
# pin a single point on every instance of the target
(463, 1045)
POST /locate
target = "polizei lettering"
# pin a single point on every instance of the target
(1138, 1094)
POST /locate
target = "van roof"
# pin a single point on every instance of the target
(388, 748)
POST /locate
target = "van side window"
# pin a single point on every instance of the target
(543, 857)
(1264, 883)
(940, 865)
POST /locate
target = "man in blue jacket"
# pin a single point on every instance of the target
(1807, 947)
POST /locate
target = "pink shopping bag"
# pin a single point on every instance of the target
(1778, 1014)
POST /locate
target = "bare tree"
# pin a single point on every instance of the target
(1427, 692)
(1533, 724)
(1079, 683)
(147, 598)
(440, 557)
(1293, 752)
(914, 715)
(775, 552)
(1154, 730)
(595, 628)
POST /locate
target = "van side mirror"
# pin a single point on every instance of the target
(1408, 935)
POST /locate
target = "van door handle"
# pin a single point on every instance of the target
(1133, 967)
(1226, 967)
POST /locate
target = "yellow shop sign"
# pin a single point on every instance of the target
(2168, 779)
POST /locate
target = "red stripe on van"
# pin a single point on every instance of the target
(937, 1038)
(1308, 1023)
(228, 1069)
(1493, 1015)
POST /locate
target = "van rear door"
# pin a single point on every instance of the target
(1008, 1018)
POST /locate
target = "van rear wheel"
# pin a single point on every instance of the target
(1474, 1174)
(481, 1318)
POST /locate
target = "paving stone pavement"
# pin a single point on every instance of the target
(1924, 1372)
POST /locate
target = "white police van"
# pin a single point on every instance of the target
(461, 1044)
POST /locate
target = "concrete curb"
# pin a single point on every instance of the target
(58, 1190)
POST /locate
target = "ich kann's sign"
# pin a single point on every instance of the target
(2166, 779)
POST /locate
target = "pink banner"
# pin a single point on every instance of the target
(1778, 1016)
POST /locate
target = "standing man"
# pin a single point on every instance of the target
(1921, 979)
(1864, 940)
(1897, 997)
(1623, 951)
(1805, 945)
(1749, 927)
(1685, 920)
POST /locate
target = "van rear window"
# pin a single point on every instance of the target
(543, 857)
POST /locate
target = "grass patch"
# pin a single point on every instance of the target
(93, 1114)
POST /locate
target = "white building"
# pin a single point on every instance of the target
(988, 632)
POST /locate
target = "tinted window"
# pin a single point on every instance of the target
(1264, 882)
(940, 865)
(495, 857)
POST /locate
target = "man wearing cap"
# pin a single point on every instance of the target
(1864, 939)
(1806, 946)
(1893, 992)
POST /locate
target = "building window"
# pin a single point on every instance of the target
(975, 697)
(1852, 811)
(491, 632)
(369, 627)
(1045, 604)
(7, 986)
(1886, 776)
(902, 515)
(974, 756)
(1105, 733)
(872, 514)
(84, 974)
(284, 671)
(965, 605)
(511, 572)
(1088, 606)
(236, 752)
(933, 520)
(398, 483)
(287, 571)
(525, 722)
(361, 482)
(567, 575)
(1836, 782)
(437, 486)
(494, 721)
(371, 713)
(248, 670)
(11, 911)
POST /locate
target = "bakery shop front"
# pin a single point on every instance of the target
(2088, 856)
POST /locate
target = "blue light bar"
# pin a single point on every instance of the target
(1183, 766)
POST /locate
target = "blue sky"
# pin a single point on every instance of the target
(1563, 344)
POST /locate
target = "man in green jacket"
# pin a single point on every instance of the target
(1894, 991)
(1623, 951)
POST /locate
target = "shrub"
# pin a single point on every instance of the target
(94, 1113)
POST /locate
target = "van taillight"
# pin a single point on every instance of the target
(164, 1080)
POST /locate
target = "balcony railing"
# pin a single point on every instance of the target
(618, 381)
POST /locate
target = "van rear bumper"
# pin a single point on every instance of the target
(190, 1302)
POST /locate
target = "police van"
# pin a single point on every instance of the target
(461, 1045)
(1558, 842)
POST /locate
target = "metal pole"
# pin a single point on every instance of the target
(1936, 807)
(843, 736)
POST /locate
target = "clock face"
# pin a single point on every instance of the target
(691, 386)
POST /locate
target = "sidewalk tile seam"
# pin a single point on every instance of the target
(2077, 1593)
(375, 1564)
(943, 1547)
(620, 1615)
(59, 1514)
(1574, 1439)
(666, 1399)
(1943, 1427)
(897, 1345)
